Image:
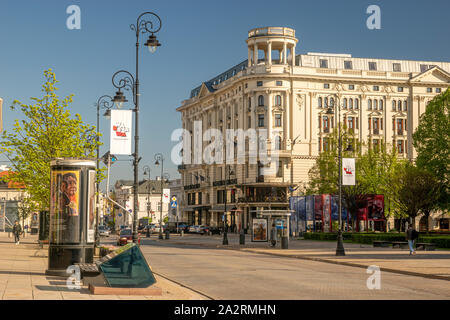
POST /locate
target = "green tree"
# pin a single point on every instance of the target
(25, 208)
(432, 143)
(419, 192)
(47, 132)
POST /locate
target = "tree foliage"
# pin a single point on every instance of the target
(432, 143)
(47, 132)
(419, 191)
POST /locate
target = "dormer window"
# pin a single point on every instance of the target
(373, 66)
(323, 63)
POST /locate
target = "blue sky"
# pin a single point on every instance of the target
(200, 39)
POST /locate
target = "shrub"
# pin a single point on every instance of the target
(440, 241)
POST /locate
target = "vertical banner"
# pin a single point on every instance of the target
(301, 214)
(166, 195)
(348, 171)
(120, 134)
(326, 213)
(90, 225)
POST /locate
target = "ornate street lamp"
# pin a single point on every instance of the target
(125, 80)
(164, 176)
(340, 251)
(104, 102)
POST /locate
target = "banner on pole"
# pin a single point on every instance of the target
(348, 171)
(120, 134)
(166, 195)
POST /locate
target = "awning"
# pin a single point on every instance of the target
(281, 213)
(221, 208)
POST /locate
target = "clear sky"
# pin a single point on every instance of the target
(200, 39)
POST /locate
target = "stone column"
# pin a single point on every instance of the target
(269, 116)
(249, 62)
(269, 53)
(287, 115)
(284, 53)
(293, 55)
(255, 54)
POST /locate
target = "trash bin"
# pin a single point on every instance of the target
(284, 242)
(242, 237)
(167, 234)
(182, 233)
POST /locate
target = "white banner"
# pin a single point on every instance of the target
(348, 171)
(120, 141)
(166, 195)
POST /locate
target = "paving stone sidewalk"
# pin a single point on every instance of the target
(22, 277)
(430, 264)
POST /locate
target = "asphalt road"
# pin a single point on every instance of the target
(234, 275)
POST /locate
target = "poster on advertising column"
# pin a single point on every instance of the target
(120, 133)
(90, 225)
(348, 171)
(65, 206)
(166, 195)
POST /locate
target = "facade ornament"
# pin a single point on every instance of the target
(300, 101)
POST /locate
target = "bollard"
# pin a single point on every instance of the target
(284, 242)
(182, 233)
(242, 237)
(167, 234)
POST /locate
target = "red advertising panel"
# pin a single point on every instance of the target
(318, 208)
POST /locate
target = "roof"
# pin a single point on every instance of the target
(145, 186)
(10, 184)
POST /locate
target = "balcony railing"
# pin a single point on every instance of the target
(399, 132)
(263, 198)
(376, 131)
(192, 186)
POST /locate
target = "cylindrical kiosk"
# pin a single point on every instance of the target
(72, 214)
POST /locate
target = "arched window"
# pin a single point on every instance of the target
(394, 105)
(260, 101)
(331, 102)
(345, 103)
(369, 104)
(350, 103)
(319, 102)
(326, 102)
(405, 105)
(399, 105)
(381, 104)
(356, 103)
(277, 143)
(278, 100)
(375, 104)
(249, 103)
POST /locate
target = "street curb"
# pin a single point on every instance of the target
(350, 264)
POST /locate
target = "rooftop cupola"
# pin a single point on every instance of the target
(279, 40)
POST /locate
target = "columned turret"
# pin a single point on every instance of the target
(270, 39)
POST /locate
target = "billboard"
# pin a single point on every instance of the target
(318, 208)
(259, 230)
(309, 208)
(326, 213)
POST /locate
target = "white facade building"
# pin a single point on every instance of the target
(287, 94)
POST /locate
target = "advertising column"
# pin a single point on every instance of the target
(72, 214)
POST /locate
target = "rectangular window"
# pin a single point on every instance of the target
(279, 83)
(320, 144)
(373, 66)
(429, 90)
(396, 67)
(438, 90)
(351, 87)
(376, 88)
(278, 120)
(280, 169)
(348, 65)
(357, 123)
(400, 89)
(326, 86)
(260, 120)
(259, 83)
(323, 63)
(400, 146)
(381, 123)
(249, 122)
(351, 122)
(423, 67)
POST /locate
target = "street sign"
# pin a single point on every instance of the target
(111, 156)
(173, 203)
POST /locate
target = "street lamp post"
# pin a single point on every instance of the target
(129, 82)
(104, 102)
(160, 159)
(340, 251)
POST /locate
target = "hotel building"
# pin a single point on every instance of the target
(288, 94)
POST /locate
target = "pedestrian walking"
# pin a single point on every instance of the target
(273, 235)
(17, 230)
(411, 236)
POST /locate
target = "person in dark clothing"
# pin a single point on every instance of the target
(17, 230)
(411, 236)
(273, 235)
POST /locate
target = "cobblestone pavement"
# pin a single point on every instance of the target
(22, 277)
